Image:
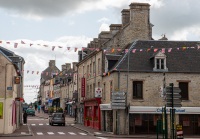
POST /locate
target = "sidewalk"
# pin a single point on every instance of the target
(24, 130)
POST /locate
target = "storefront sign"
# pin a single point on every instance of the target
(182, 110)
(83, 87)
(105, 107)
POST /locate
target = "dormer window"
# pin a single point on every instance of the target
(160, 62)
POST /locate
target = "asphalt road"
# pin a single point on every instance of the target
(41, 129)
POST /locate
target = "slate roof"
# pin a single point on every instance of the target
(49, 70)
(113, 57)
(178, 60)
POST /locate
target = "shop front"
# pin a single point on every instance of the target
(143, 120)
(92, 116)
(107, 117)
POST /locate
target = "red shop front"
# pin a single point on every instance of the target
(92, 116)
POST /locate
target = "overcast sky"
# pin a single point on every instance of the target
(73, 23)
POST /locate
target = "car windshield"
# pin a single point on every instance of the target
(58, 115)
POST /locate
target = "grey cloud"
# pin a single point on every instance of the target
(42, 8)
(175, 15)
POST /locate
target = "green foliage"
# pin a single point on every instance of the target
(50, 109)
(59, 109)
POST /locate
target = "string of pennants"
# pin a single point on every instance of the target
(105, 50)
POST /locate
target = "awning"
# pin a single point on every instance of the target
(105, 106)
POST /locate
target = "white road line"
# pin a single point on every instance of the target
(61, 133)
(82, 133)
(33, 124)
(40, 124)
(72, 124)
(47, 123)
(50, 133)
(101, 138)
(23, 133)
(71, 133)
(40, 133)
(98, 133)
(24, 124)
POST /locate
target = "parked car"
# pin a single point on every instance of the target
(30, 111)
(57, 118)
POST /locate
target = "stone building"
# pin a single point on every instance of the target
(11, 90)
(135, 25)
(142, 71)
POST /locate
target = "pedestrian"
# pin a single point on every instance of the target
(35, 107)
(38, 108)
(25, 117)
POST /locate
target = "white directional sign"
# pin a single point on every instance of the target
(118, 100)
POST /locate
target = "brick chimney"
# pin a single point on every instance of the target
(125, 16)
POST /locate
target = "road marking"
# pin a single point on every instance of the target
(61, 133)
(50, 133)
(40, 124)
(97, 133)
(47, 123)
(39, 133)
(101, 138)
(24, 124)
(72, 124)
(33, 124)
(23, 133)
(82, 133)
(71, 133)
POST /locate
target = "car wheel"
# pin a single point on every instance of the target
(64, 124)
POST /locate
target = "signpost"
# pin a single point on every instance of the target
(118, 100)
(173, 99)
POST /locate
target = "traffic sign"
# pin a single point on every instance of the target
(116, 100)
(118, 97)
(173, 97)
(118, 104)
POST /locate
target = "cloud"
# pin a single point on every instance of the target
(172, 17)
(104, 27)
(103, 20)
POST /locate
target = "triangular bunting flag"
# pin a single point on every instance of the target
(22, 42)
(169, 50)
(53, 47)
(134, 50)
(163, 50)
(31, 44)
(15, 45)
(32, 72)
(68, 48)
(155, 50)
(75, 49)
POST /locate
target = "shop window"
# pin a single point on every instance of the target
(137, 89)
(184, 90)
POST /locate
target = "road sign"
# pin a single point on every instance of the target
(118, 107)
(118, 94)
(118, 104)
(173, 96)
(116, 100)
(118, 97)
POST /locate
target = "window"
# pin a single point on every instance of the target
(104, 91)
(111, 90)
(94, 69)
(184, 90)
(160, 63)
(98, 66)
(137, 89)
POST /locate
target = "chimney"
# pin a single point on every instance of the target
(139, 12)
(104, 36)
(63, 67)
(125, 16)
(74, 66)
(52, 63)
(114, 28)
(68, 66)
